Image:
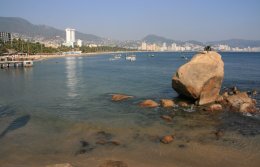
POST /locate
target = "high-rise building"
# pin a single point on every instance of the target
(79, 42)
(5, 36)
(144, 46)
(70, 37)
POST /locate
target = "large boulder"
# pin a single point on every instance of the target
(201, 78)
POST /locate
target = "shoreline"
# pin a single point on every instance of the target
(53, 56)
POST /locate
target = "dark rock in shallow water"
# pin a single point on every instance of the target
(102, 135)
(219, 133)
(84, 143)
(85, 148)
(112, 163)
(182, 146)
(166, 118)
(106, 142)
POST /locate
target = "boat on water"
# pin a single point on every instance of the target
(115, 57)
(118, 56)
(131, 57)
(184, 57)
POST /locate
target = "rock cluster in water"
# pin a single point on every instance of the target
(201, 78)
(239, 102)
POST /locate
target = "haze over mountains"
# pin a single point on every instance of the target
(24, 27)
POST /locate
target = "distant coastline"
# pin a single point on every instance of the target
(52, 56)
(39, 57)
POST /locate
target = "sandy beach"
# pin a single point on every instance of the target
(40, 57)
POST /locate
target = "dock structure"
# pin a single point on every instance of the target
(7, 64)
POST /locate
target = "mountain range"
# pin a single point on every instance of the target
(24, 27)
(241, 43)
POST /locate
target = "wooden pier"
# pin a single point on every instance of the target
(7, 64)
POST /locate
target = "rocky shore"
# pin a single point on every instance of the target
(198, 83)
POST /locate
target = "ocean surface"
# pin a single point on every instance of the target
(60, 111)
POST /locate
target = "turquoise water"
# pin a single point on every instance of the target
(59, 102)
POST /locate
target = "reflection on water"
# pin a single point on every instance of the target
(72, 79)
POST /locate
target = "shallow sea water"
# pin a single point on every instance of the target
(47, 111)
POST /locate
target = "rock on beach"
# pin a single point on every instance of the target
(149, 104)
(201, 78)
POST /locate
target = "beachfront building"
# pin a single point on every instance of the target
(79, 43)
(144, 46)
(5, 36)
(164, 47)
(70, 37)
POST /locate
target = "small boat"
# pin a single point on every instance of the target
(184, 57)
(131, 57)
(116, 57)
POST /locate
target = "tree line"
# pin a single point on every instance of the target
(32, 48)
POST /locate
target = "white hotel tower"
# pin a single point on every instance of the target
(70, 37)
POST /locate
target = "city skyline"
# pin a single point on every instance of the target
(131, 20)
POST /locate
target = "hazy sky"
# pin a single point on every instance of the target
(203, 20)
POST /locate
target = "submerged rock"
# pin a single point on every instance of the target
(241, 102)
(167, 139)
(167, 103)
(85, 148)
(166, 118)
(201, 78)
(106, 142)
(112, 163)
(149, 104)
(219, 134)
(102, 135)
(120, 97)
